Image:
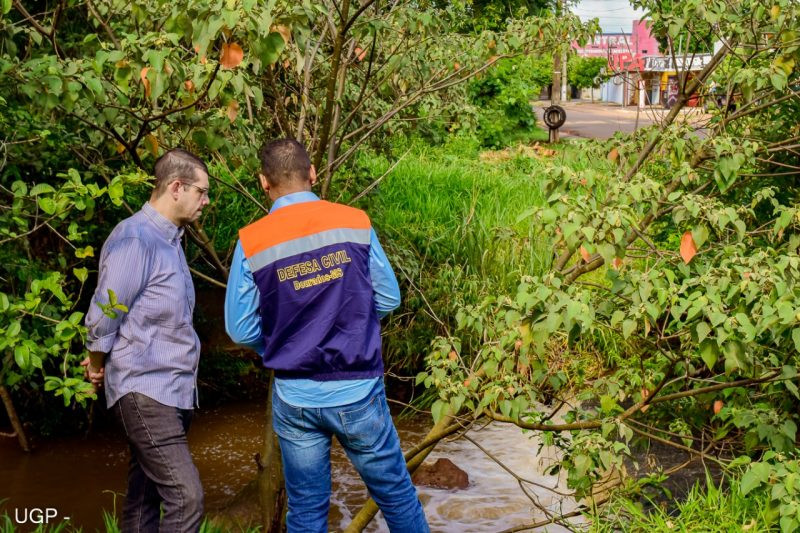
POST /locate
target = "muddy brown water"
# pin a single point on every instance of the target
(81, 477)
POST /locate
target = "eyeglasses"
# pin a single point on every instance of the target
(203, 191)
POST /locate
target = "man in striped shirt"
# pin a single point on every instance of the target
(146, 357)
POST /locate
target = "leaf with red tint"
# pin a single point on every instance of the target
(688, 249)
(585, 254)
(232, 55)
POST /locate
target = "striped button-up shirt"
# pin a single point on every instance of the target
(153, 348)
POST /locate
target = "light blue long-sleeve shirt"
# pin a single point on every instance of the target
(243, 319)
(152, 348)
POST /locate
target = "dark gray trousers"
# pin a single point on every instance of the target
(161, 468)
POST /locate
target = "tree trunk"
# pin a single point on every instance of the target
(271, 489)
(12, 416)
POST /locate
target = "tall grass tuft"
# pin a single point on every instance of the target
(717, 507)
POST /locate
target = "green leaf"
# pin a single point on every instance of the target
(456, 402)
(22, 356)
(757, 474)
(628, 327)
(47, 204)
(709, 352)
(788, 524)
(81, 274)
(582, 464)
(13, 329)
(41, 189)
(778, 80)
(270, 48)
(702, 330)
(700, 235)
(82, 253)
(438, 410)
(796, 338)
(608, 404)
(5, 6)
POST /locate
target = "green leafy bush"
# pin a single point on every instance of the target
(503, 96)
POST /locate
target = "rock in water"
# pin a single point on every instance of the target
(442, 474)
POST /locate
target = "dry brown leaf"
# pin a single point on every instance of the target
(613, 155)
(688, 248)
(232, 55)
(285, 32)
(233, 110)
(645, 395)
(544, 151)
(145, 81)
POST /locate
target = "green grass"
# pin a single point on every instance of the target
(708, 507)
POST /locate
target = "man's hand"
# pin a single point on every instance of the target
(95, 375)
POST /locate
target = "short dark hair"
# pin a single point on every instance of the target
(176, 164)
(284, 161)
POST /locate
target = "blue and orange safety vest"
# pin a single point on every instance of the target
(310, 262)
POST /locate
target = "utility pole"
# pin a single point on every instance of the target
(564, 96)
(555, 90)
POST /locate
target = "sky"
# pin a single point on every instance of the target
(615, 15)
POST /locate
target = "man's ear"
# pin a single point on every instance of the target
(312, 175)
(264, 183)
(173, 188)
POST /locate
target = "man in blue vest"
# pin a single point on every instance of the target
(308, 285)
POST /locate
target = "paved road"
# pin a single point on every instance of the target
(601, 121)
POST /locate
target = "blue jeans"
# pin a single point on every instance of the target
(368, 436)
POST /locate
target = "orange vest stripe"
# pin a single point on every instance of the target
(282, 225)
